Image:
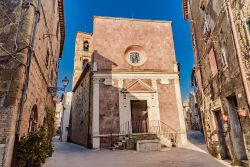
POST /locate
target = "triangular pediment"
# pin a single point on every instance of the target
(138, 86)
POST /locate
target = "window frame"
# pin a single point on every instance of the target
(86, 49)
(142, 58)
(224, 60)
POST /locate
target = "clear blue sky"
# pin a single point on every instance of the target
(79, 17)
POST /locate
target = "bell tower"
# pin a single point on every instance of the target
(83, 51)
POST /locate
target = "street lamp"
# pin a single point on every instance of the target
(65, 82)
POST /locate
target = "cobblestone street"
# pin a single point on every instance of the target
(193, 155)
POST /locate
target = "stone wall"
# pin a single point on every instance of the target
(67, 99)
(122, 34)
(80, 124)
(13, 57)
(168, 106)
(109, 109)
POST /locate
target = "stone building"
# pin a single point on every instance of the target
(65, 116)
(58, 112)
(192, 113)
(128, 82)
(186, 110)
(221, 40)
(28, 29)
(83, 51)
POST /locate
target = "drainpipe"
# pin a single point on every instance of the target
(239, 56)
(26, 79)
(88, 133)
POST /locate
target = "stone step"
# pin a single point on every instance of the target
(123, 141)
(119, 143)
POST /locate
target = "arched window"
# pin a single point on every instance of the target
(84, 63)
(86, 46)
(33, 121)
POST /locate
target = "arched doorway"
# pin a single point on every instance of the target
(33, 121)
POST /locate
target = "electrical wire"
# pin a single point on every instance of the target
(9, 54)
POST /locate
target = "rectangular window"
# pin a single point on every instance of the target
(206, 25)
(212, 62)
(47, 58)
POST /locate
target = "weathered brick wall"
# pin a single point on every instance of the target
(80, 112)
(43, 70)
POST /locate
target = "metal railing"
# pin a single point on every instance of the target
(157, 127)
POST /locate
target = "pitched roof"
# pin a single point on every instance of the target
(62, 24)
(138, 86)
(132, 19)
(185, 9)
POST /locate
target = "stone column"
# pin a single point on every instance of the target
(120, 86)
(183, 132)
(155, 112)
(95, 120)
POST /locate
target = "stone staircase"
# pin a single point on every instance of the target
(121, 144)
(158, 131)
(128, 142)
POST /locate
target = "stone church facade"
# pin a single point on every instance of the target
(128, 82)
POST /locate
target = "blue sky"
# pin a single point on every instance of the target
(79, 17)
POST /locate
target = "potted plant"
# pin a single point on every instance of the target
(33, 149)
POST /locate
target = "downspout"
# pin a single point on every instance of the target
(237, 47)
(88, 139)
(26, 79)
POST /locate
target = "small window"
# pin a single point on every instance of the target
(248, 25)
(86, 46)
(47, 58)
(206, 25)
(135, 57)
(212, 62)
(223, 58)
(84, 64)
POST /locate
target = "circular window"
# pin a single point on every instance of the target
(135, 58)
(135, 55)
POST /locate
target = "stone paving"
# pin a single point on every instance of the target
(192, 155)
